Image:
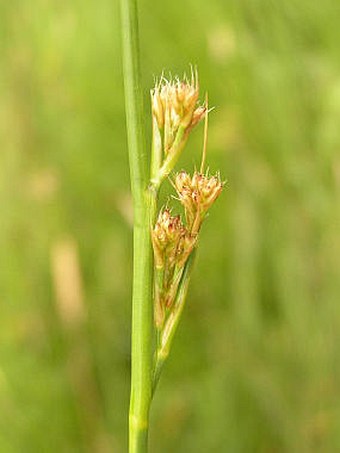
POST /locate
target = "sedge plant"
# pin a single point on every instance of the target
(164, 245)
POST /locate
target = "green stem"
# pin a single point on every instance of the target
(144, 212)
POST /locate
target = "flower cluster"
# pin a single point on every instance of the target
(175, 112)
(197, 194)
(173, 242)
(172, 245)
(174, 106)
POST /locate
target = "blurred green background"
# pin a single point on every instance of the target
(255, 365)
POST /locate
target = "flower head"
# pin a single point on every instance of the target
(172, 242)
(174, 107)
(165, 237)
(197, 194)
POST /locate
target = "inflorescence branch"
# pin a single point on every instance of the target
(175, 112)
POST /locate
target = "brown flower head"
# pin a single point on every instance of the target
(197, 194)
(174, 106)
(165, 237)
(172, 242)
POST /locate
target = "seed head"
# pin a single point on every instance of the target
(174, 105)
(172, 242)
(197, 194)
(208, 188)
(165, 237)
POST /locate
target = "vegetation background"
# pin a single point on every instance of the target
(255, 366)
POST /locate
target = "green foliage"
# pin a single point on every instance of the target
(254, 367)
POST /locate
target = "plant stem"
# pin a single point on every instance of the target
(180, 140)
(144, 212)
